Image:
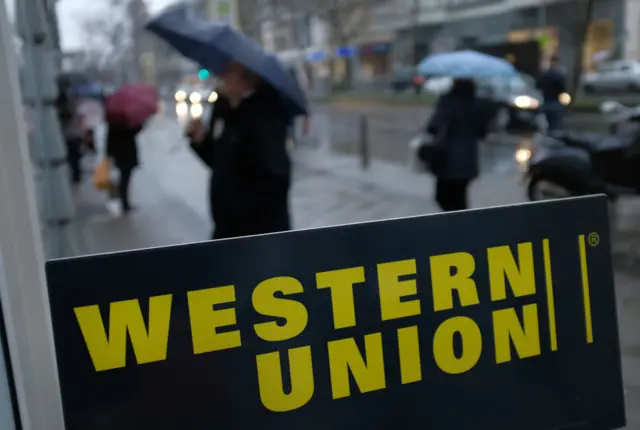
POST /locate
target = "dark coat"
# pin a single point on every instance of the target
(552, 83)
(251, 169)
(121, 146)
(465, 120)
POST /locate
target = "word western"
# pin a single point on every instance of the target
(452, 279)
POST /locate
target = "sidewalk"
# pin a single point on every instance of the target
(170, 190)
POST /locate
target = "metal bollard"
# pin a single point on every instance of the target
(364, 142)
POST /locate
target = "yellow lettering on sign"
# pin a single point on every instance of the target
(502, 266)
(443, 351)
(409, 351)
(586, 292)
(292, 311)
(345, 359)
(507, 329)
(205, 319)
(551, 306)
(341, 284)
(451, 272)
(270, 380)
(110, 352)
(393, 290)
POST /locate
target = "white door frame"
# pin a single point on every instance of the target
(22, 281)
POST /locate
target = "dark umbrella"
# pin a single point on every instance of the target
(214, 45)
(131, 105)
(66, 80)
(92, 90)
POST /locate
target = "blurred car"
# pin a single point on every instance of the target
(193, 94)
(407, 78)
(515, 101)
(621, 75)
(438, 86)
(192, 101)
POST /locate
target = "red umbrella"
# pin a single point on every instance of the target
(132, 105)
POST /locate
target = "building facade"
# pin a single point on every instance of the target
(549, 26)
(375, 44)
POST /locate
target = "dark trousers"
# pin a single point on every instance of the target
(123, 187)
(451, 195)
(74, 156)
(554, 113)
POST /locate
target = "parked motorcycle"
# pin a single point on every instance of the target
(568, 163)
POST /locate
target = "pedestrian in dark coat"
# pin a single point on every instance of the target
(72, 133)
(553, 82)
(245, 146)
(459, 122)
(123, 150)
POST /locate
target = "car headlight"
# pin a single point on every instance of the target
(213, 97)
(182, 109)
(195, 97)
(196, 111)
(564, 98)
(526, 102)
(180, 96)
(523, 155)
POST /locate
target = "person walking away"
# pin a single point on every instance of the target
(123, 150)
(458, 124)
(245, 146)
(553, 82)
(73, 133)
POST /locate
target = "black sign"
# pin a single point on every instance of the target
(499, 318)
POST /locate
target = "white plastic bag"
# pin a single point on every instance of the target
(415, 144)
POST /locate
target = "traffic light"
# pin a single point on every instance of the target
(203, 74)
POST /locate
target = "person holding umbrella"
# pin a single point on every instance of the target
(459, 123)
(123, 150)
(245, 143)
(245, 146)
(127, 111)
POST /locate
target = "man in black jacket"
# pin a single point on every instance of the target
(245, 146)
(552, 83)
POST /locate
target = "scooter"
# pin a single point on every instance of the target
(565, 164)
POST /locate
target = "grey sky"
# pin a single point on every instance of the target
(69, 12)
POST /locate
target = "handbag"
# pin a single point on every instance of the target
(102, 175)
(431, 152)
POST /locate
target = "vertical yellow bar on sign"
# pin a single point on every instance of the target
(551, 307)
(586, 297)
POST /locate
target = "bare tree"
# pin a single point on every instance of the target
(576, 18)
(107, 35)
(251, 15)
(579, 44)
(345, 19)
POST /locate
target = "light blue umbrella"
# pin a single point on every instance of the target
(465, 64)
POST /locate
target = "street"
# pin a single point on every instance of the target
(390, 128)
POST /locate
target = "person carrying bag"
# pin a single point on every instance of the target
(450, 152)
